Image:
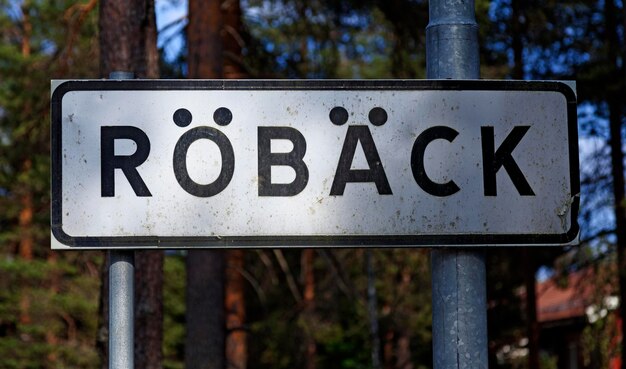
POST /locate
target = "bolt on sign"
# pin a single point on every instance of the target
(185, 164)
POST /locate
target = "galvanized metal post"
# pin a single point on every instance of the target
(121, 314)
(458, 275)
(121, 297)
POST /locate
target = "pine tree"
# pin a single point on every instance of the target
(47, 299)
(205, 323)
(128, 44)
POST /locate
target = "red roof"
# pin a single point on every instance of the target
(555, 302)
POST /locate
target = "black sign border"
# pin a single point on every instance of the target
(447, 240)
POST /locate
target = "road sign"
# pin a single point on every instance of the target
(177, 164)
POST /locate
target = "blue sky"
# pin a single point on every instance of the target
(170, 18)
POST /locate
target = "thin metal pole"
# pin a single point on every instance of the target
(458, 275)
(121, 297)
(121, 313)
(452, 40)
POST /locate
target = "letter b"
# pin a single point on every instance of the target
(267, 159)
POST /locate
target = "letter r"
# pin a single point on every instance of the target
(127, 163)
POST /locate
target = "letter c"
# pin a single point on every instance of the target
(417, 161)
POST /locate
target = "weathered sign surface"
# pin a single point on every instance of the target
(176, 164)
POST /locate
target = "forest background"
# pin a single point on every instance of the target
(325, 308)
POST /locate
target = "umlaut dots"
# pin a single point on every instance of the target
(182, 117)
(223, 116)
(338, 115)
(378, 116)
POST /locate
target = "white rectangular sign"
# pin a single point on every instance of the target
(182, 164)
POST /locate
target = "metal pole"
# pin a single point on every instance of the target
(458, 275)
(452, 40)
(121, 314)
(121, 297)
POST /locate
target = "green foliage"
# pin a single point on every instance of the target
(599, 342)
(547, 361)
(59, 323)
(600, 338)
(173, 311)
(340, 326)
(48, 302)
(336, 39)
(35, 47)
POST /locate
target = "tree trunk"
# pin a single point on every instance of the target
(205, 56)
(55, 283)
(26, 242)
(532, 325)
(617, 161)
(372, 309)
(388, 351)
(236, 345)
(307, 260)
(25, 218)
(206, 328)
(117, 36)
(517, 43)
(233, 40)
(236, 339)
(148, 264)
(128, 44)
(148, 309)
(205, 338)
(26, 201)
(146, 55)
(128, 38)
(102, 334)
(403, 350)
(616, 89)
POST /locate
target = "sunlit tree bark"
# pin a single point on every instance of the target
(128, 44)
(205, 320)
